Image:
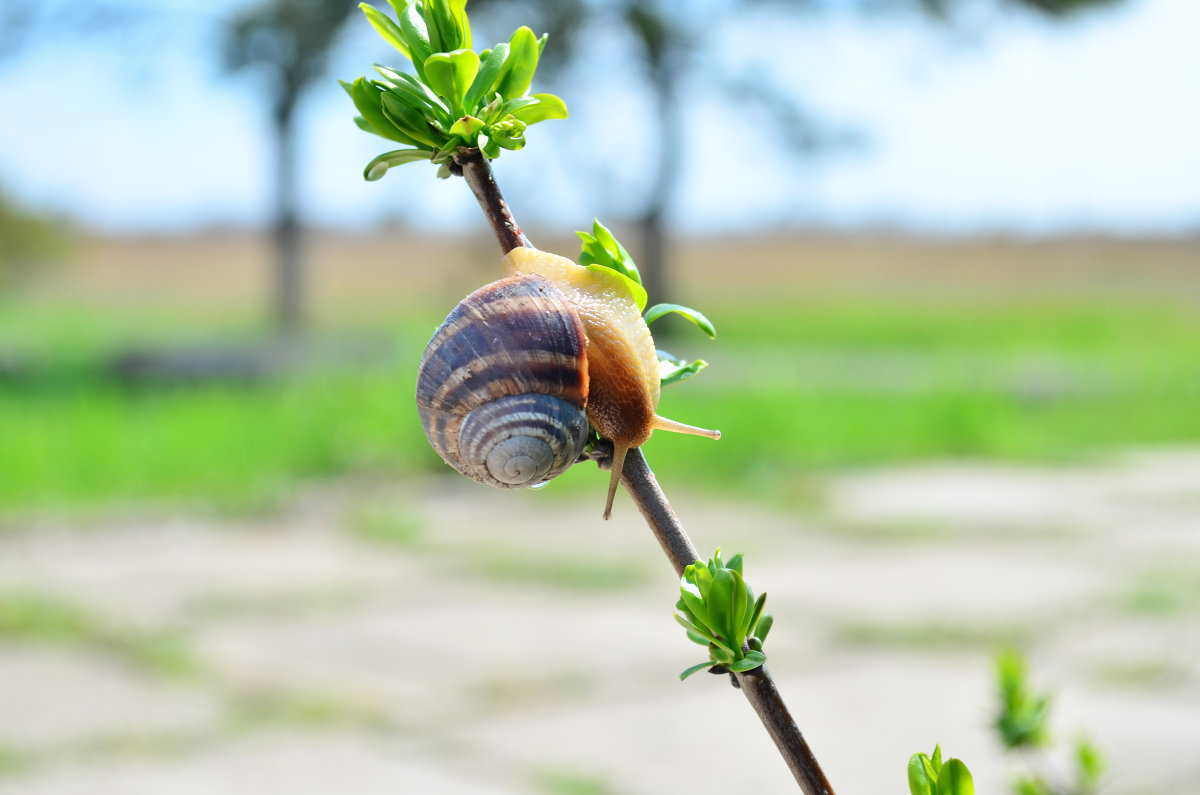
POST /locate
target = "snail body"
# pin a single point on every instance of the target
(613, 376)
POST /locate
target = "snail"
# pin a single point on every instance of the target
(512, 378)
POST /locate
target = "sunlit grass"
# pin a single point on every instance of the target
(34, 617)
(798, 386)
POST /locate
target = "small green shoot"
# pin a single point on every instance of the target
(672, 370)
(718, 610)
(927, 775)
(1021, 722)
(1021, 725)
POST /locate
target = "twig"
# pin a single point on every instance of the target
(478, 173)
(757, 685)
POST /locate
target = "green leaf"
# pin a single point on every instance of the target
(444, 32)
(1089, 765)
(658, 310)
(735, 563)
(485, 78)
(763, 627)
(919, 782)
(450, 74)
(379, 166)
(694, 638)
(739, 610)
(548, 106)
(602, 248)
(414, 92)
(459, 9)
(416, 36)
(752, 660)
(672, 370)
(466, 126)
(521, 64)
(511, 106)
(936, 759)
(697, 605)
(694, 629)
(955, 779)
(386, 28)
(756, 614)
(488, 147)
(720, 603)
(1023, 712)
(694, 669)
(368, 100)
(409, 120)
(930, 769)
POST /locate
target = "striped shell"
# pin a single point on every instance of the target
(503, 383)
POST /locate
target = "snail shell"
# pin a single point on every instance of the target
(502, 386)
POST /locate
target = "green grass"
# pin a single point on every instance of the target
(798, 388)
(46, 619)
(570, 782)
(389, 526)
(501, 564)
(931, 635)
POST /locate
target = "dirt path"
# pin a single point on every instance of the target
(440, 638)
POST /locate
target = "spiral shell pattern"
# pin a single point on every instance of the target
(502, 386)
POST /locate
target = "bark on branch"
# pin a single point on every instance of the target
(757, 685)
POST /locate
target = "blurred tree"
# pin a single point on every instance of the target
(676, 45)
(290, 41)
(26, 241)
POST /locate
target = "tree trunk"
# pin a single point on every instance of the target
(288, 298)
(654, 258)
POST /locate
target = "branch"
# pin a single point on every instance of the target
(474, 167)
(757, 685)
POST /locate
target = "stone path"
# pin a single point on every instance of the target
(442, 638)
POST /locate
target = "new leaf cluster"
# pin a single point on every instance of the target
(718, 610)
(458, 99)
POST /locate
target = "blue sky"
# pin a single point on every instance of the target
(1023, 128)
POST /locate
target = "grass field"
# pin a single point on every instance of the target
(830, 353)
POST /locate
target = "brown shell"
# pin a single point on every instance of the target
(502, 386)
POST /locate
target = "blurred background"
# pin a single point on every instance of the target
(952, 252)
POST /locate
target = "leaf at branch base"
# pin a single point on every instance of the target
(368, 101)
(752, 660)
(672, 370)
(547, 107)
(380, 165)
(658, 310)
(694, 669)
(386, 28)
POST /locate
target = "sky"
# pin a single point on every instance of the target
(1020, 128)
